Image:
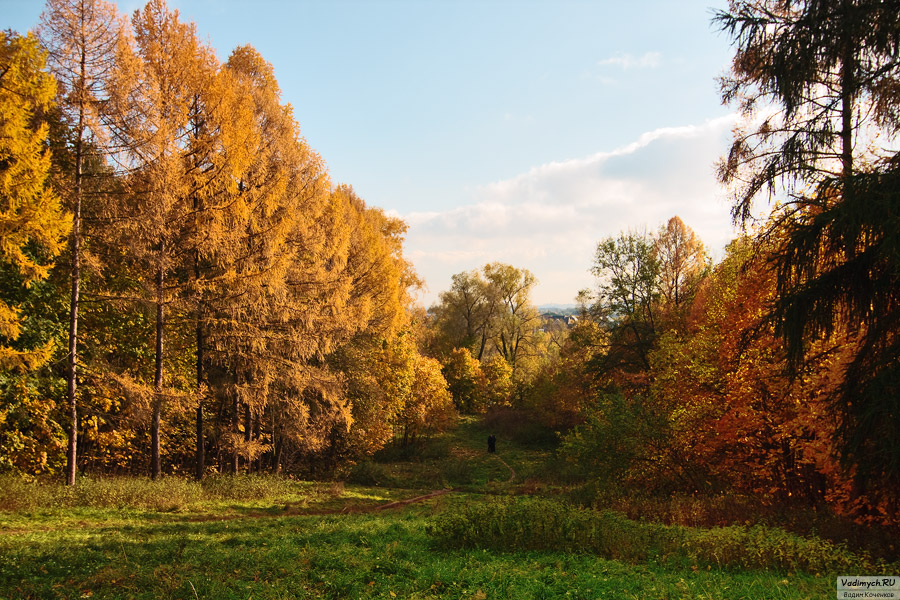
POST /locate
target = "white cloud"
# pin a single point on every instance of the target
(550, 219)
(626, 61)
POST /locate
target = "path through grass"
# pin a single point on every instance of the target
(338, 556)
(279, 539)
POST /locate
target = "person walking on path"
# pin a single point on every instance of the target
(492, 443)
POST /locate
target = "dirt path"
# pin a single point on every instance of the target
(290, 511)
(512, 472)
(300, 512)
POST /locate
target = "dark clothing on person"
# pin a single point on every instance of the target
(492, 443)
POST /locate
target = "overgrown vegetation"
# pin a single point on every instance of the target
(275, 538)
(343, 556)
(536, 524)
(169, 494)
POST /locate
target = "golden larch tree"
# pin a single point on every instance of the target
(81, 38)
(32, 220)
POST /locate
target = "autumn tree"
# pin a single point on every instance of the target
(464, 376)
(180, 130)
(516, 319)
(228, 245)
(81, 38)
(830, 70)
(488, 311)
(464, 314)
(682, 261)
(429, 407)
(368, 365)
(346, 287)
(565, 386)
(33, 223)
(242, 319)
(627, 269)
(497, 382)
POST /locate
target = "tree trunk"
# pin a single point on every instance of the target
(72, 366)
(155, 462)
(248, 434)
(848, 98)
(201, 450)
(276, 445)
(236, 429)
(200, 467)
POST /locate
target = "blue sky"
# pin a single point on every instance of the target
(514, 131)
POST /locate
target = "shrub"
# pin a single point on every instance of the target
(166, 494)
(170, 493)
(19, 493)
(520, 426)
(769, 548)
(535, 524)
(247, 487)
(368, 472)
(457, 471)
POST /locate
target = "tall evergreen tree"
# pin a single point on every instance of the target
(831, 70)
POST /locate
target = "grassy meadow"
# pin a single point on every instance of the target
(503, 532)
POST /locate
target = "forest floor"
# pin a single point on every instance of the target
(290, 539)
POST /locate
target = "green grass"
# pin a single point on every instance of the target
(273, 538)
(116, 501)
(339, 556)
(459, 461)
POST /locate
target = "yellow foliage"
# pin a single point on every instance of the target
(30, 213)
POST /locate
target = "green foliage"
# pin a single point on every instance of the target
(620, 442)
(369, 472)
(251, 535)
(627, 269)
(31, 439)
(839, 274)
(458, 471)
(534, 524)
(522, 426)
(489, 312)
(171, 493)
(251, 486)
